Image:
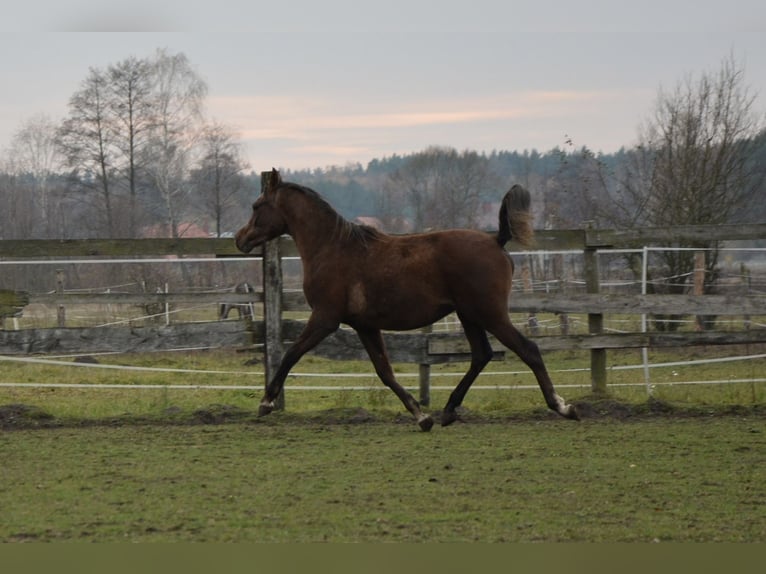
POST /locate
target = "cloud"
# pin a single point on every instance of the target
(261, 117)
(326, 131)
(96, 16)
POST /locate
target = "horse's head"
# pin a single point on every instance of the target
(266, 222)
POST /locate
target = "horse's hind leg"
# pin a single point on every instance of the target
(481, 354)
(528, 352)
(376, 349)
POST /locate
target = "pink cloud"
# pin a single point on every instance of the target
(261, 117)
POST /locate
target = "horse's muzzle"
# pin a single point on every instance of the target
(243, 242)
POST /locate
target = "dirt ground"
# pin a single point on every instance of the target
(24, 416)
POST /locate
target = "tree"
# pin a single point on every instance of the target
(440, 188)
(131, 83)
(178, 103)
(133, 128)
(693, 164)
(17, 211)
(575, 191)
(34, 156)
(218, 177)
(87, 141)
(696, 149)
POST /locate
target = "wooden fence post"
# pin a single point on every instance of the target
(746, 279)
(560, 275)
(526, 278)
(595, 324)
(61, 312)
(424, 375)
(12, 305)
(272, 304)
(699, 285)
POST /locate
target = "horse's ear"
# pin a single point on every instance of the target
(274, 182)
(276, 179)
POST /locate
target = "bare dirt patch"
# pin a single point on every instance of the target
(24, 416)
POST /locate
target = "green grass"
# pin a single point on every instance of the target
(567, 368)
(303, 478)
(177, 465)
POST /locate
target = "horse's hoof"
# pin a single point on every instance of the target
(265, 409)
(571, 413)
(425, 422)
(561, 407)
(449, 417)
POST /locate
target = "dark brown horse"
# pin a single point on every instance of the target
(245, 310)
(371, 281)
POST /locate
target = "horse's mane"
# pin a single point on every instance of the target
(344, 230)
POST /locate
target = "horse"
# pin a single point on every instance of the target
(372, 281)
(245, 310)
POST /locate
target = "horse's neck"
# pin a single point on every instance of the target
(315, 232)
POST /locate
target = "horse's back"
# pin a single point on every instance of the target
(408, 281)
(468, 252)
(445, 262)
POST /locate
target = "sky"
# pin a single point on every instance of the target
(312, 84)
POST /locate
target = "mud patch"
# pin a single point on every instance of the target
(26, 416)
(21, 416)
(218, 414)
(602, 407)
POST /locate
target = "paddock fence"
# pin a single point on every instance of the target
(563, 291)
(579, 272)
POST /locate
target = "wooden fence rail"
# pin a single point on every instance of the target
(586, 303)
(419, 347)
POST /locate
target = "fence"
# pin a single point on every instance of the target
(593, 298)
(422, 348)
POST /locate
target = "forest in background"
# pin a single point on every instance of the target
(566, 185)
(136, 156)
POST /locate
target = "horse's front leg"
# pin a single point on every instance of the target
(313, 334)
(376, 348)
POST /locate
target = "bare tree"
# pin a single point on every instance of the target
(178, 102)
(131, 83)
(87, 141)
(442, 188)
(576, 191)
(136, 121)
(34, 155)
(218, 177)
(693, 165)
(693, 162)
(17, 209)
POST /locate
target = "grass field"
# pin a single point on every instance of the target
(340, 476)
(225, 367)
(199, 465)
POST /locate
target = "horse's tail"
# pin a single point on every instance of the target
(515, 219)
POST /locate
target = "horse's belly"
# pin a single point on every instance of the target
(396, 309)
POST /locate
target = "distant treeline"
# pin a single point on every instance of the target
(137, 156)
(564, 183)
